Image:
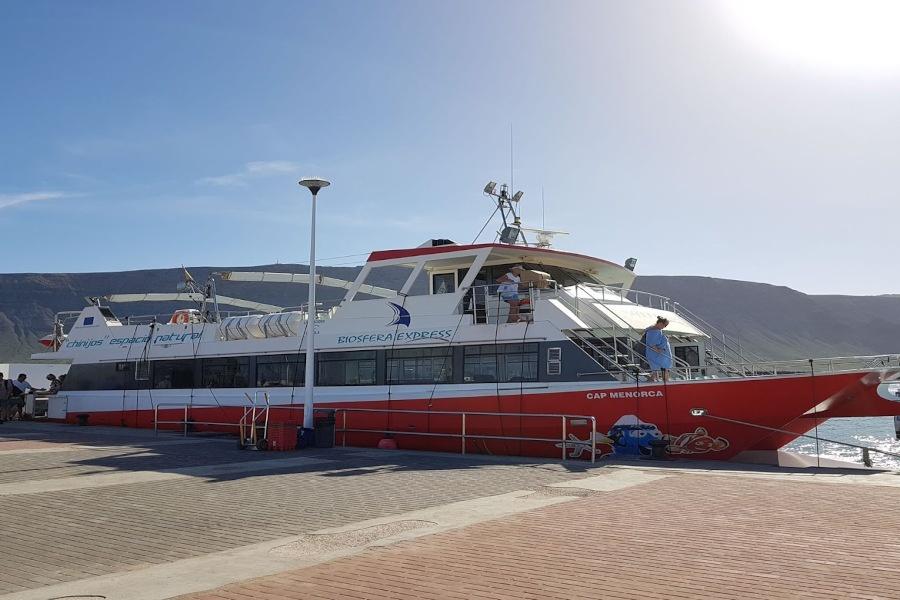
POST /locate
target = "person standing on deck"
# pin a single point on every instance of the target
(509, 292)
(657, 350)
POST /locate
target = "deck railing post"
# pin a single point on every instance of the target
(463, 433)
(345, 428)
(593, 439)
(563, 438)
(156, 420)
(185, 420)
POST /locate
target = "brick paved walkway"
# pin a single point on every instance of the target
(73, 534)
(684, 536)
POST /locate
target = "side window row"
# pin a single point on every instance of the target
(406, 366)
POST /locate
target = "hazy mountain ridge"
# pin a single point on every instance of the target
(773, 321)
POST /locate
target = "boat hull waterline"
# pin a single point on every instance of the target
(740, 414)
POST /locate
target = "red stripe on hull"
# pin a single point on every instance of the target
(628, 418)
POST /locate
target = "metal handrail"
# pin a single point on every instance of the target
(760, 367)
(184, 422)
(802, 366)
(478, 296)
(702, 412)
(715, 336)
(463, 435)
(186, 407)
(625, 334)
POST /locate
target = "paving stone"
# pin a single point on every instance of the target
(70, 534)
(689, 536)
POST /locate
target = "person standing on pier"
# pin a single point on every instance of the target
(20, 387)
(657, 350)
(5, 394)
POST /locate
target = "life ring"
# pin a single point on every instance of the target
(181, 317)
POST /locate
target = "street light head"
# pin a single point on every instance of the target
(314, 184)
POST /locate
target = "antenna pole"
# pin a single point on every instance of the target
(543, 212)
(512, 183)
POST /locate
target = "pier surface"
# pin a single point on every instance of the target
(93, 512)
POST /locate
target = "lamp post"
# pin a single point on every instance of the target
(313, 184)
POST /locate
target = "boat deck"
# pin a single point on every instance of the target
(123, 514)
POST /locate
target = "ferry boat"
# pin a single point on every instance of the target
(409, 361)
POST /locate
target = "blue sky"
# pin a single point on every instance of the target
(141, 135)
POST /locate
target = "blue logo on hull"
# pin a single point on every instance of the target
(401, 315)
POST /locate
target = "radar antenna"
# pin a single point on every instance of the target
(506, 204)
(544, 236)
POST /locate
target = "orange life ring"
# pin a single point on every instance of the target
(181, 317)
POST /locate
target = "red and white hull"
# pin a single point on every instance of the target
(628, 417)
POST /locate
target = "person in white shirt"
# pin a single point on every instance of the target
(509, 292)
(17, 400)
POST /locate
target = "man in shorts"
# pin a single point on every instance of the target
(509, 292)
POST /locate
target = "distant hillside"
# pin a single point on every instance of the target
(28, 301)
(778, 322)
(772, 321)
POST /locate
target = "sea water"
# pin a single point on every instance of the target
(873, 432)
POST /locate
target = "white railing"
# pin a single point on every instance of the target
(817, 366)
(866, 450)
(464, 435)
(485, 303)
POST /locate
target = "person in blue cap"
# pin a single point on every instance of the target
(657, 350)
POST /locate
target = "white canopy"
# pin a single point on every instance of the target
(637, 317)
(261, 276)
(192, 297)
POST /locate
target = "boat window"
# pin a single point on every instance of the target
(107, 314)
(226, 372)
(98, 376)
(554, 360)
(420, 365)
(443, 283)
(562, 276)
(500, 363)
(346, 368)
(280, 370)
(392, 278)
(173, 374)
(689, 354)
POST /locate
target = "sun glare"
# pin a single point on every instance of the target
(858, 36)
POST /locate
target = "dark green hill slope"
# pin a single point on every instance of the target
(772, 321)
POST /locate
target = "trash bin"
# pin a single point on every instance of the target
(658, 449)
(324, 428)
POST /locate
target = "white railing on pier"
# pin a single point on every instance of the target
(465, 419)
